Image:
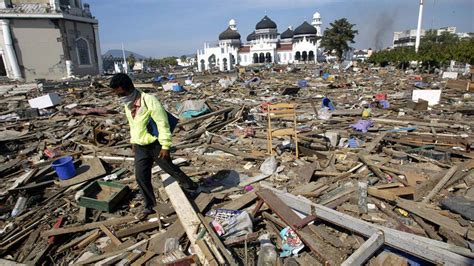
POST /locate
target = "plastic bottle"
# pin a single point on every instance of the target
(267, 255)
(19, 206)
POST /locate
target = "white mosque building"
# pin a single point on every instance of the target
(264, 45)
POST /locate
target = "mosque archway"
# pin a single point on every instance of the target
(233, 62)
(224, 62)
(203, 64)
(255, 58)
(212, 61)
(304, 56)
(298, 56)
(268, 58)
(261, 58)
(311, 56)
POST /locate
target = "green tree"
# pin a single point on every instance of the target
(131, 61)
(435, 51)
(183, 58)
(338, 36)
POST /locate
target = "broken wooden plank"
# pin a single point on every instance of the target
(89, 226)
(203, 200)
(207, 252)
(431, 215)
(364, 252)
(240, 202)
(293, 220)
(363, 158)
(105, 257)
(253, 179)
(371, 145)
(138, 228)
(143, 259)
(74, 242)
(428, 228)
(186, 214)
(84, 243)
(440, 184)
(175, 230)
(238, 240)
(111, 235)
(244, 155)
(217, 241)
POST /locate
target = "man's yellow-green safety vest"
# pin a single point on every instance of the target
(149, 107)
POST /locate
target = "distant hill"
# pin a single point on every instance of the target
(118, 53)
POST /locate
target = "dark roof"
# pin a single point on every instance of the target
(251, 36)
(229, 34)
(266, 23)
(305, 29)
(287, 34)
(360, 52)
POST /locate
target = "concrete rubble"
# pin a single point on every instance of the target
(384, 174)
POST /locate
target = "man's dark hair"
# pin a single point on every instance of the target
(121, 80)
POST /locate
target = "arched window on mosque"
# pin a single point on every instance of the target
(83, 51)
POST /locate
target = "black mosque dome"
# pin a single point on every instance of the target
(305, 29)
(229, 34)
(287, 34)
(251, 36)
(266, 23)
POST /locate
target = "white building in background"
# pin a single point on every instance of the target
(264, 45)
(408, 37)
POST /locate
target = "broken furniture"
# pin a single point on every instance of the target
(102, 195)
(281, 111)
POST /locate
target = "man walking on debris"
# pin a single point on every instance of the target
(145, 112)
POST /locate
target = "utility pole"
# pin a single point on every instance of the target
(418, 30)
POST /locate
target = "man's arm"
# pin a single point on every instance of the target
(159, 115)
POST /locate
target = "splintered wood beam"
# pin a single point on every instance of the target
(185, 211)
(431, 215)
(111, 235)
(441, 184)
(293, 220)
(85, 227)
(363, 158)
(364, 252)
(217, 241)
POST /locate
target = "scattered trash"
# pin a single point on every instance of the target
(64, 168)
(362, 125)
(291, 243)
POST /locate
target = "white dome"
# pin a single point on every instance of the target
(232, 22)
(317, 15)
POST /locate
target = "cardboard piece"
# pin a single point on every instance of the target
(450, 75)
(432, 96)
(45, 101)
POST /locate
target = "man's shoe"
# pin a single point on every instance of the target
(143, 214)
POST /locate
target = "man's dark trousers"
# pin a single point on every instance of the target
(144, 157)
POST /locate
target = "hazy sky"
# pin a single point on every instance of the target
(174, 27)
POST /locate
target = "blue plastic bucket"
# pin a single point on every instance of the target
(64, 167)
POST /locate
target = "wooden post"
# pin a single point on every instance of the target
(364, 252)
(185, 211)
